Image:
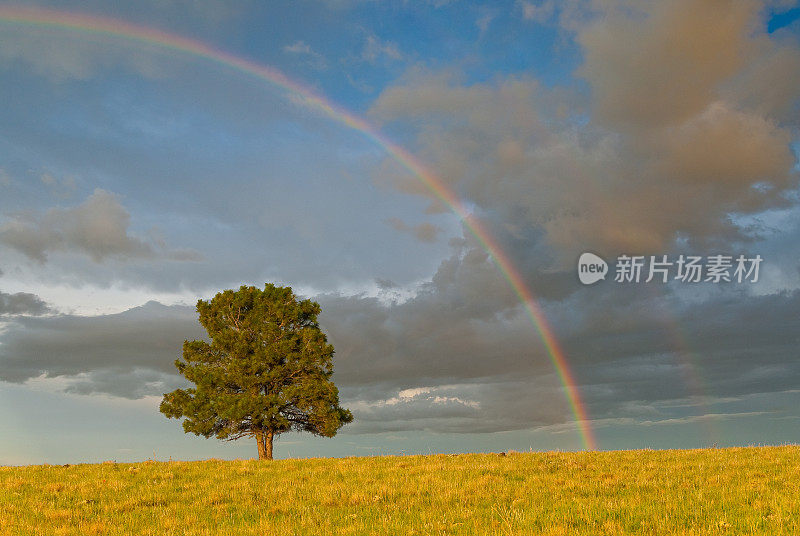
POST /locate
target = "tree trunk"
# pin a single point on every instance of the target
(264, 442)
(268, 443)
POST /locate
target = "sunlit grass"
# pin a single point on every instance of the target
(715, 491)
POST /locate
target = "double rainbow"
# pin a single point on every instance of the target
(120, 29)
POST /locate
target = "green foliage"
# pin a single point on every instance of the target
(266, 371)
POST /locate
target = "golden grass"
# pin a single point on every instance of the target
(690, 492)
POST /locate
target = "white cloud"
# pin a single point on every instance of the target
(416, 391)
(538, 11)
(303, 49)
(427, 394)
(376, 50)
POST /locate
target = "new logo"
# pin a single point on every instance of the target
(591, 268)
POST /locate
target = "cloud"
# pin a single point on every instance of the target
(662, 65)
(726, 345)
(624, 361)
(386, 284)
(22, 303)
(98, 228)
(313, 58)
(64, 187)
(459, 356)
(677, 139)
(551, 172)
(376, 50)
(539, 11)
(299, 47)
(424, 232)
(130, 354)
(62, 56)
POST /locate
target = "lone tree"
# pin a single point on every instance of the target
(266, 371)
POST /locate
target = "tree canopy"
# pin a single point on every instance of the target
(266, 371)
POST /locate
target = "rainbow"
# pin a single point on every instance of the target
(120, 29)
(697, 387)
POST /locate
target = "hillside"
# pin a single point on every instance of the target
(714, 491)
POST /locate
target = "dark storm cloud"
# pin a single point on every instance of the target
(138, 345)
(449, 359)
(22, 303)
(629, 347)
(125, 383)
(660, 348)
(490, 405)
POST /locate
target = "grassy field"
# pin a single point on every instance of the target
(716, 491)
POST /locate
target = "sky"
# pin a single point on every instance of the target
(137, 178)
